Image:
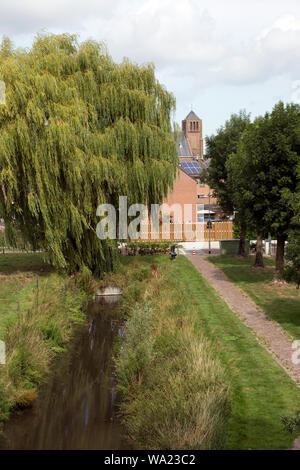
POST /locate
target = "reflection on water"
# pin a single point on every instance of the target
(75, 409)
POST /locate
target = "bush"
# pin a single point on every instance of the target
(148, 248)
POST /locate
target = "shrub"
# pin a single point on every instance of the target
(148, 248)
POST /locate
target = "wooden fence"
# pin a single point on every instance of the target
(189, 232)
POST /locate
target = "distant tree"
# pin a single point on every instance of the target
(218, 149)
(177, 131)
(293, 257)
(237, 178)
(6, 48)
(268, 154)
(79, 130)
(292, 271)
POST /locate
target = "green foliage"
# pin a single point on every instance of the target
(218, 149)
(264, 167)
(51, 332)
(79, 130)
(2, 239)
(15, 243)
(251, 233)
(263, 171)
(148, 248)
(292, 270)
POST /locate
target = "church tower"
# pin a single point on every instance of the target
(192, 129)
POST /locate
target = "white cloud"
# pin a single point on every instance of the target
(163, 31)
(275, 51)
(285, 23)
(195, 45)
(191, 38)
(21, 16)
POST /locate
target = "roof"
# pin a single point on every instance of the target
(192, 117)
(191, 168)
(183, 147)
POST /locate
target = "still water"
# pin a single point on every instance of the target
(76, 407)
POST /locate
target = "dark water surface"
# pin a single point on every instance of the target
(75, 408)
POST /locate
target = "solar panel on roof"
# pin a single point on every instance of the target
(191, 168)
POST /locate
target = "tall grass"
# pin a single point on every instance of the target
(174, 392)
(35, 336)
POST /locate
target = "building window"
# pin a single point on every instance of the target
(202, 185)
(200, 196)
(200, 212)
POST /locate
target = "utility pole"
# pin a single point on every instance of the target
(209, 225)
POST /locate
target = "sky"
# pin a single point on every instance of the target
(216, 56)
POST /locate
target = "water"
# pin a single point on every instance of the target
(76, 407)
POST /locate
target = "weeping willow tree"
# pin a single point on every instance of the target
(78, 130)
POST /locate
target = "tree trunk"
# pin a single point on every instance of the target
(242, 245)
(279, 264)
(259, 261)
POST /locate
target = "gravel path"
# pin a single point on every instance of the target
(269, 333)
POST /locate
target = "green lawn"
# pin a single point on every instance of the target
(281, 302)
(18, 281)
(261, 390)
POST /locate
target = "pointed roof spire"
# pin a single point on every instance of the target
(192, 117)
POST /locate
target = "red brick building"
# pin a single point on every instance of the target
(187, 188)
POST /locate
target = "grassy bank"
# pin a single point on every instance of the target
(38, 311)
(175, 391)
(181, 339)
(281, 302)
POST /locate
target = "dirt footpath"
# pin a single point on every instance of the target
(269, 333)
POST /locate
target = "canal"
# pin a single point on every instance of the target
(76, 407)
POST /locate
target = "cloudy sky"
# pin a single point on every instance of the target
(216, 56)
